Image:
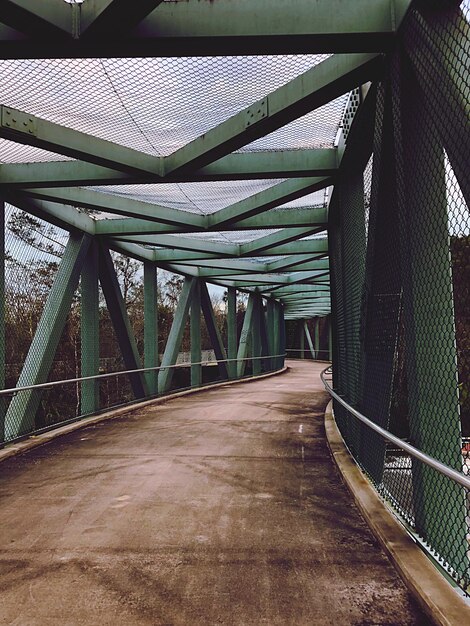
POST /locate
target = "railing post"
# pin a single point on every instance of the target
(195, 319)
(232, 331)
(151, 325)
(90, 331)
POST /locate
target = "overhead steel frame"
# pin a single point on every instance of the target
(295, 286)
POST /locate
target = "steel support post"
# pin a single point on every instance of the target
(265, 363)
(151, 325)
(431, 359)
(382, 292)
(245, 337)
(122, 327)
(277, 332)
(330, 339)
(2, 316)
(232, 331)
(282, 339)
(270, 323)
(309, 340)
(300, 330)
(213, 331)
(20, 416)
(256, 335)
(175, 337)
(90, 331)
(195, 318)
(317, 339)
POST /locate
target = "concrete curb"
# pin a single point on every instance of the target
(442, 603)
(39, 440)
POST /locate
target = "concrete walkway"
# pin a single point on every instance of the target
(219, 508)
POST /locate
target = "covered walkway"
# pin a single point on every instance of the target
(222, 507)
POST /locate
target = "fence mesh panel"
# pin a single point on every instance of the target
(401, 321)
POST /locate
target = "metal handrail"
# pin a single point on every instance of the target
(454, 475)
(57, 383)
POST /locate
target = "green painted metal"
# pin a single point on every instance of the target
(20, 416)
(195, 317)
(176, 335)
(43, 19)
(150, 325)
(267, 199)
(283, 236)
(110, 18)
(327, 80)
(239, 166)
(2, 316)
(232, 331)
(200, 27)
(256, 347)
(245, 336)
(213, 330)
(23, 127)
(313, 351)
(317, 337)
(90, 331)
(96, 200)
(118, 314)
(301, 333)
(431, 365)
(271, 331)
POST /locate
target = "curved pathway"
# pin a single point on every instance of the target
(222, 507)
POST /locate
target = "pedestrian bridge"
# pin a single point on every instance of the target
(221, 507)
(238, 182)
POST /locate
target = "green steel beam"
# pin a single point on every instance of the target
(187, 243)
(31, 130)
(232, 331)
(2, 317)
(90, 331)
(230, 270)
(315, 87)
(213, 331)
(245, 336)
(256, 343)
(112, 203)
(293, 261)
(120, 320)
(278, 238)
(303, 246)
(21, 413)
(151, 325)
(195, 329)
(267, 199)
(200, 28)
(176, 335)
(270, 322)
(238, 166)
(61, 215)
(39, 20)
(309, 340)
(112, 18)
(282, 217)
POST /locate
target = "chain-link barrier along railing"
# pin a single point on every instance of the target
(400, 264)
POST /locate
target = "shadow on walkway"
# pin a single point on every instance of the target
(219, 508)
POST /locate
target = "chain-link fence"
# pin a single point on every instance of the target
(400, 257)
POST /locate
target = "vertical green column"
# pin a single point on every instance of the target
(151, 325)
(245, 337)
(431, 360)
(256, 335)
(232, 331)
(282, 336)
(309, 339)
(196, 370)
(2, 316)
(301, 330)
(270, 322)
(317, 339)
(90, 331)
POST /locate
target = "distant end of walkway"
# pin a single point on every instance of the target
(222, 507)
